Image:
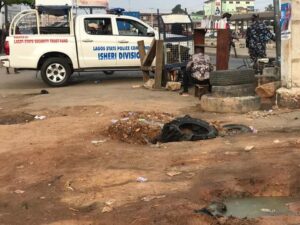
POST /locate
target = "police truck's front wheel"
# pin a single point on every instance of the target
(56, 72)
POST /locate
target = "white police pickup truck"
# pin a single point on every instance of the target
(107, 42)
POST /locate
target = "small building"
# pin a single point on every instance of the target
(230, 6)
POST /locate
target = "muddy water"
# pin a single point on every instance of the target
(255, 207)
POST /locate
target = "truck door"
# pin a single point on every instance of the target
(97, 44)
(129, 33)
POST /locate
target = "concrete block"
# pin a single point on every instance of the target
(231, 104)
(268, 90)
(288, 98)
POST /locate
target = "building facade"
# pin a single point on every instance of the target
(12, 11)
(211, 7)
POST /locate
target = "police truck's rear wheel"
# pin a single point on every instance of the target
(56, 72)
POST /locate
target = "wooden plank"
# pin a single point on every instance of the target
(148, 68)
(199, 40)
(159, 64)
(142, 52)
(223, 45)
(150, 55)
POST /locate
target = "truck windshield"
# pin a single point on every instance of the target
(128, 27)
(98, 26)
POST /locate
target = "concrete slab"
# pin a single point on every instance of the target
(288, 98)
(246, 104)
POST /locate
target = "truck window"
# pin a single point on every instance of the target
(128, 27)
(27, 25)
(54, 21)
(98, 26)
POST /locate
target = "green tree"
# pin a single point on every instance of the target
(269, 8)
(200, 13)
(178, 10)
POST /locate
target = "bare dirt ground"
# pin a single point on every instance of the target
(52, 173)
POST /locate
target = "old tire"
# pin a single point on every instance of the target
(245, 104)
(234, 90)
(232, 129)
(187, 129)
(232, 77)
(56, 72)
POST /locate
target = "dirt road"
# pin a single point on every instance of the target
(52, 173)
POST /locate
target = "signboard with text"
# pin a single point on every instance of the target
(218, 10)
(285, 21)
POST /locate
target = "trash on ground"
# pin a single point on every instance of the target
(254, 131)
(107, 209)
(186, 129)
(138, 127)
(19, 191)
(110, 202)
(136, 86)
(44, 92)
(149, 84)
(173, 86)
(173, 173)
(214, 209)
(268, 210)
(260, 114)
(150, 198)
(249, 148)
(276, 141)
(98, 142)
(40, 117)
(158, 145)
(68, 185)
(142, 179)
(114, 121)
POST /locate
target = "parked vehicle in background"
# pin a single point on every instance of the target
(51, 40)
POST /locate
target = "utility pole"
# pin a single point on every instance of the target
(6, 13)
(277, 30)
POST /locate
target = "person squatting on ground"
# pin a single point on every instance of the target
(257, 37)
(198, 70)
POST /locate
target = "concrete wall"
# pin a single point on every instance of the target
(291, 49)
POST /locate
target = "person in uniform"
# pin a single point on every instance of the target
(257, 37)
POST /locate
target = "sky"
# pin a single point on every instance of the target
(167, 5)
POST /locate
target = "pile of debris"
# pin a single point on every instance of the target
(138, 127)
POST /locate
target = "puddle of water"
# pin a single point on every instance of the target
(255, 207)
